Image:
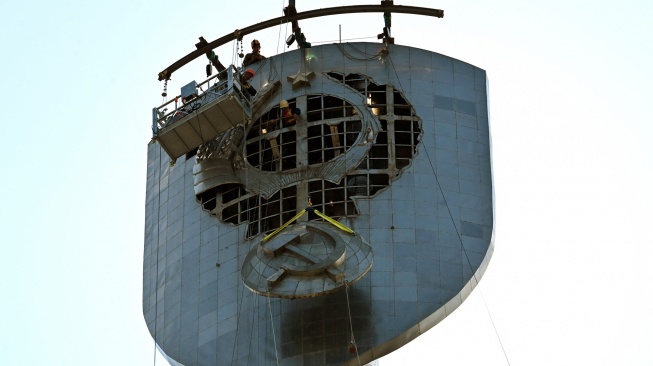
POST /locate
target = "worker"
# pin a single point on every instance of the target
(288, 116)
(255, 55)
(244, 80)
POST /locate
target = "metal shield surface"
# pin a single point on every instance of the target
(393, 142)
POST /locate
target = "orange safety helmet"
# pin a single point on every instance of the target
(250, 71)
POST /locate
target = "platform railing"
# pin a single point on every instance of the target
(226, 82)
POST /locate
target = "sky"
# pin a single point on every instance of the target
(571, 86)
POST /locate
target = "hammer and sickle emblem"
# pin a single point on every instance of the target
(298, 246)
(306, 260)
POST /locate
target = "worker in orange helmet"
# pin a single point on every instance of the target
(255, 55)
(244, 80)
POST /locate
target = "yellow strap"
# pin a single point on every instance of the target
(283, 226)
(334, 222)
(327, 218)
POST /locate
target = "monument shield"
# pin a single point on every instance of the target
(332, 239)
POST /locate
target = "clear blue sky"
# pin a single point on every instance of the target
(571, 85)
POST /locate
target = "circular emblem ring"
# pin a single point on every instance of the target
(306, 260)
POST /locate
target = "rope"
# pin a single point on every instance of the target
(460, 239)
(467, 258)
(274, 337)
(156, 285)
(351, 326)
(337, 40)
(238, 309)
(234, 52)
(352, 57)
(272, 73)
(280, 24)
(254, 313)
(363, 52)
(199, 124)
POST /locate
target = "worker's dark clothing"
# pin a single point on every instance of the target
(251, 58)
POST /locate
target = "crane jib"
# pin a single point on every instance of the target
(239, 33)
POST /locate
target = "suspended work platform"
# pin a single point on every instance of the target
(197, 118)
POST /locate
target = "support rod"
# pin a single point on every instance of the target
(239, 33)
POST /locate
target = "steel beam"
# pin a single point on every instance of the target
(239, 33)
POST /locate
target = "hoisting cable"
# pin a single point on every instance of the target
(255, 316)
(336, 40)
(238, 308)
(468, 260)
(234, 51)
(156, 284)
(460, 239)
(352, 343)
(280, 24)
(272, 73)
(352, 57)
(274, 337)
